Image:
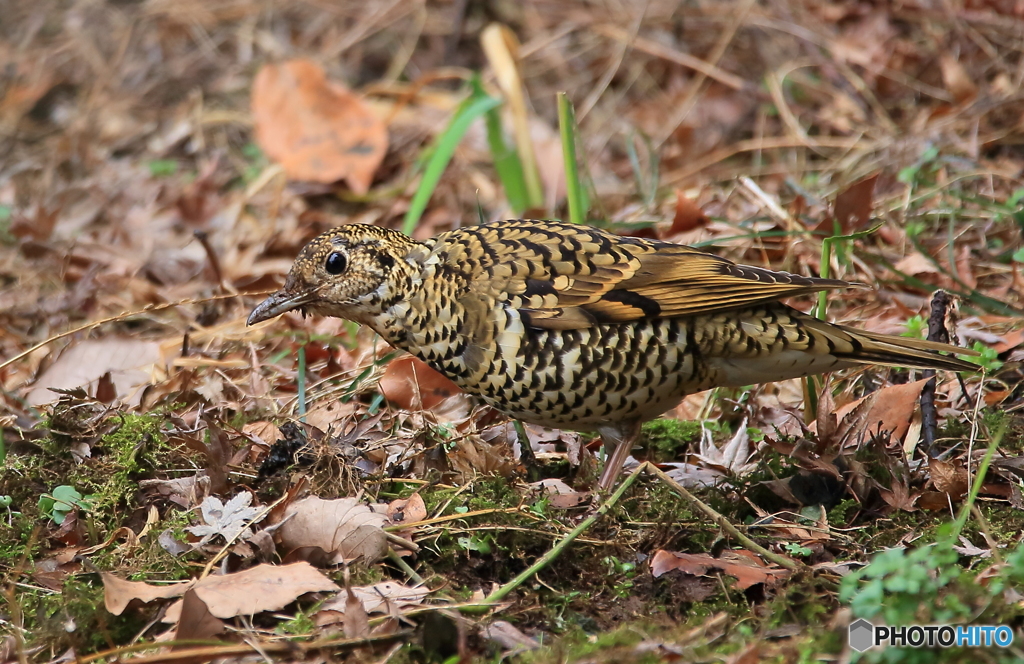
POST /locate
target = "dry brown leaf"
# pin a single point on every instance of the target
(317, 129)
(129, 362)
(117, 592)
(888, 409)
(854, 205)
(688, 215)
(257, 589)
(409, 383)
(747, 570)
(916, 264)
(344, 529)
(356, 622)
(376, 598)
(900, 496)
(949, 478)
(407, 510)
(956, 79)
(196, 620)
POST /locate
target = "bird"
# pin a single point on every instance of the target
(573, 327)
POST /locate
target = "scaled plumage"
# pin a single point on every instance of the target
(573, 327)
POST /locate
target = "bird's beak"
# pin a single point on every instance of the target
(278, 303)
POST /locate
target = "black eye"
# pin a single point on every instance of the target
(336, 263)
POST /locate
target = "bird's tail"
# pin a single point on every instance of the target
(889, 350)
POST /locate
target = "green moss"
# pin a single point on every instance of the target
(665, 438)
(75, 618)
(132, 448)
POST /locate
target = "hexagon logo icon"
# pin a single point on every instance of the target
(862, 635)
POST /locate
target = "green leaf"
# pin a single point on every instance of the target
(506, 159)
(440, 154)
(162, 168)
(574, 192)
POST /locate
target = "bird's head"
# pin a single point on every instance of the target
(350, 272)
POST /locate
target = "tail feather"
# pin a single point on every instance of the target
(890, 350)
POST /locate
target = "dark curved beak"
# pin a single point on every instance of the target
(278, 303)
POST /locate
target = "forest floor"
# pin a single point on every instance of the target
(201, 490)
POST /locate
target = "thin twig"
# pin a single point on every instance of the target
(936, 332)
(122, 316)
(724, 523)
(557, 550)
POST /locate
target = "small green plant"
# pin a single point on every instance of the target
(162, 168)
(915, 227)
(5, 226)
(795, 549)
(988, 360)
(921, 170)
(435, 158)
(917, 327)
(480, 543)
(903, 586)
(256, 162)
(64, 500)
(621, 568)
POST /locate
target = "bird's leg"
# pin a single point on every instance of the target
(618, 443)
(526, 455)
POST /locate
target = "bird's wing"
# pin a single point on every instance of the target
(563, 276)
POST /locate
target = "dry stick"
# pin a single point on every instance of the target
(127, 314)
(936, 332)
(724, 524)
(557, 550)
(210, 649)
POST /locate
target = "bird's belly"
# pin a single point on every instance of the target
(584, 378)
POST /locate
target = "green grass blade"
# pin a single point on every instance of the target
(506, 159)
(573, 188)
(826, 263)
(440, 153)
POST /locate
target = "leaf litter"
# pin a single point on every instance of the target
(159, 163)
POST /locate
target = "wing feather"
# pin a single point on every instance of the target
(565, 276)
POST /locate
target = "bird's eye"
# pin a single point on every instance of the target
(336, 263)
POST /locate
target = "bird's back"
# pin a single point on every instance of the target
(570, 326)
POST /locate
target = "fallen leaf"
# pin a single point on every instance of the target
(196, 620)
(356, 622)
(255, 590)
(317, 129)
(854, 205)
(916, 264)
(747, 570)
(117, 592)
(949, 478)
(407, 510)
(888, 409)
(128, 361)
(509, 637)
(410, 384)
(956, 79)
(344, 529)
(230, 520)
(688, 215)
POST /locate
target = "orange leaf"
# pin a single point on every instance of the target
(317, 129)
(688, 215)
(411, 384)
